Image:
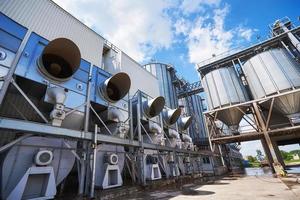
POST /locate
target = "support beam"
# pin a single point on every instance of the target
(268, 153)
(278, 154)
(276, 164)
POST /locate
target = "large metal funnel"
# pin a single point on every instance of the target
(116, 87)
(289, 106)
(60, 59)
(185, 122)
(170, 116)
(153, 107)
(231, 117)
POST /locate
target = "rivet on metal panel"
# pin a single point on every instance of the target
(46, 82)
(2, 55)
(79, 86)
(26, 54)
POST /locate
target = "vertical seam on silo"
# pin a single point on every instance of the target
(209, 92)
(235, 87)
(282, 68)
(215, 87)
(253, 90)
(267, 70)
(224, 82)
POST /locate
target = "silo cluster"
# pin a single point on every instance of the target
(270, 72)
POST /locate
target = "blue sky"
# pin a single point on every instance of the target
(182, 32)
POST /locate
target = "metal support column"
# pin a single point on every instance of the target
(268, 153)
(278, 154)
(84, 143)
(221, 154)
(277, 166)
(94, 147)
(141, 170)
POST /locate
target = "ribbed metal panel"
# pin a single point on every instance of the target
(141, 79)
(163, 72)
(223, 88)
(271, 72)
(50, 21)
(193, 106)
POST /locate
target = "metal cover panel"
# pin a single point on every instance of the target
(98, 77)
(12, 27)
(54, 22)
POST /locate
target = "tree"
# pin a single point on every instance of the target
(286, 155)
(251, 159)
(260, 157)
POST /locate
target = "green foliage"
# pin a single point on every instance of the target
(295, 152)
(286, 155)
(251, 159)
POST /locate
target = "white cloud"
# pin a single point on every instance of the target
(182, 26)
(245, 33)
(208, 37)
(193, 6)
(139, 28)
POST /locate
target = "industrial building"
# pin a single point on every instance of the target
(76, 111)
(75, 105)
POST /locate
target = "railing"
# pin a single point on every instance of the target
(190, 89)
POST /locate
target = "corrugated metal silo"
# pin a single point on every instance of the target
(272, 72)
(164, 73)
(195, 109)
(224, 88)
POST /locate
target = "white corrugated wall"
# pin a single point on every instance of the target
(50, 21)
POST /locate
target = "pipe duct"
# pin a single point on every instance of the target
(186, 138)
(113, 114)
(153, 127)
(57, 96)
(185, 122)
(60, 59)
(170, 116)
(116, 87)
(153, 107)
(173, 134)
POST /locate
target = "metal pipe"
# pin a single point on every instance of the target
(85, 130)
(221, 155)
(94, 146)
(139, 110)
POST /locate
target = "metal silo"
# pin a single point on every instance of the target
(193, 106)
(224, 88)
(164, 74)
(273, 72)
